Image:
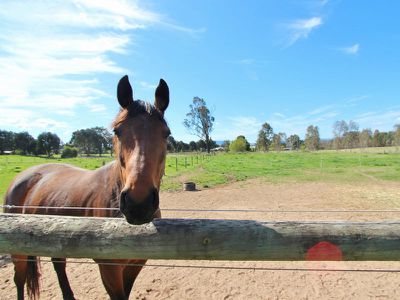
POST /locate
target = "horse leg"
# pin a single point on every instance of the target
(20, 269)
(130, 274)
(59, 266)
(112, 277)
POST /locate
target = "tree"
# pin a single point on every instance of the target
(225, 145)
(390, 138)
(283, 138)
(6, 141)
(69, 152)
(379, 139)
(48, 143)
(265, 136)
(365, 138)
(83, 140)
(397, 134)
(352, 137)
(92, 140)
(182, 146)
(293, 142)
(276, 142)
(239, 145)
(192, 146)
(340, 129)
(102, 139)
(199, 121)
(25, 143)
(201, 145)
(213, 144)
(247, 143)
(171, 144)
(312, 140)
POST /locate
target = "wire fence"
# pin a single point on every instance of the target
(208, 210)
(218, 267)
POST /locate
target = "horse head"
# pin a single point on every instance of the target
(140, 144)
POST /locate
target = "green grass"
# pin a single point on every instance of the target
(209, 171)
(287, 166)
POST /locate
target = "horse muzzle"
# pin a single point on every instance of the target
(136, 212)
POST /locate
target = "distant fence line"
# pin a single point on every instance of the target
(176, 160)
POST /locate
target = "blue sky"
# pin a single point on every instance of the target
(290, 63)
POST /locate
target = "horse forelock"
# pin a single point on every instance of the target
(137, 107)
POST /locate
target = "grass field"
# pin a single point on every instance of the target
(209, 171)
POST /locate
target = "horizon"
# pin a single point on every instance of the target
(291, 64)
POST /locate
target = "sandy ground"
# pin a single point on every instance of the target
(190, 283)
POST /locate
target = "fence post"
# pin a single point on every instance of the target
(176, 163)
(185, 161)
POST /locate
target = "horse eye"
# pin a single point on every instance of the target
(117, 132)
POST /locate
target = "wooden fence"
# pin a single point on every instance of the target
(60, 236)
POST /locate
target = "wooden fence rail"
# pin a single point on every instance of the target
(58, 236)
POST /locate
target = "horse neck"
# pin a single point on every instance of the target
(110, 182)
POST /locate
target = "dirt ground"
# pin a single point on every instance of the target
(191, 283)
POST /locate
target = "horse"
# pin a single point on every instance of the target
(130, 183)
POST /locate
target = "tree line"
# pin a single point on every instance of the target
(87, 141)
(180, 146)
(199, 121)
(346, 135)
(23, 143)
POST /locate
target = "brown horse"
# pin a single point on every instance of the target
(130, 183)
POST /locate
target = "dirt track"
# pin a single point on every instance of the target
(172, 283)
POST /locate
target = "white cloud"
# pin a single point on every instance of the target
(379, 119)
(320, 110)
(192, 31)
(301, 29)
(246, 61)
(53, 52)
(238, 125)
(351, 50)
(147, 85)
(324, 2)
(97, 107)
(118, 15)
(279, 115)
(357, 99)
(68, 44)
(24, 119)
(243, 122)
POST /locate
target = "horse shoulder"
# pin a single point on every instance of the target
(21, 186)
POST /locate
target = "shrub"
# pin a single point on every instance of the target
(69, 152)
(238, 145)
(19, 152)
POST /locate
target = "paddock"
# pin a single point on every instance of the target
(255, 280)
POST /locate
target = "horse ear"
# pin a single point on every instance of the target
(124, 92)
(162, 96)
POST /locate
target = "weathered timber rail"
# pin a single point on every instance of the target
(78, 237)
